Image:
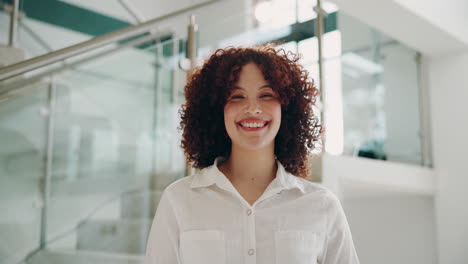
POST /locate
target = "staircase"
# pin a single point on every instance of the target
(117, 241)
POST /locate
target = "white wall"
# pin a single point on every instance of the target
(389, 207)
(388, 230)
(448, 15)
(448, 83)
(408, 25)
(438, 29)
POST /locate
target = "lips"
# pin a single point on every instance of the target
(252, 124)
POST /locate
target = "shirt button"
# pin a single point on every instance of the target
(251, 251)
(249, 212)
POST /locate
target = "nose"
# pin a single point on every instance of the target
(253, 107)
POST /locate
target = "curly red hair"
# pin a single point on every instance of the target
(202, 116)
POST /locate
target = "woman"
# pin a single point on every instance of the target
(249, 126)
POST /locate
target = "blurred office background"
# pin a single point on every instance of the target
(89, 94)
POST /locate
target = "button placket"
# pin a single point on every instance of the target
(251, 238)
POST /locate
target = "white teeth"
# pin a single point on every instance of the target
(253, 124)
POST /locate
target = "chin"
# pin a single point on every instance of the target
(255, 146)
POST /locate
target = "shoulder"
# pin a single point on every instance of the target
(183, 186)
(179, 186)
(318, 192)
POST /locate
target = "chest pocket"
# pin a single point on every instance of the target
(296, 247)
(202, 247)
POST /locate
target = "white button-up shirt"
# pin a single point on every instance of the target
(202, 219)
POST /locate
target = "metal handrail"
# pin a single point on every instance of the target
(21, 83)
(80, 48)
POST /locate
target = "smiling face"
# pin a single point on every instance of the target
(252, 114)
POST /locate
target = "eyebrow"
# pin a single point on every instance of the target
(259, 88)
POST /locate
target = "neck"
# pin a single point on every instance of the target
(257, 168)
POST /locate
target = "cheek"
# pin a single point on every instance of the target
(274, 108)
(229, 117)
(275, 112)
(228, 113)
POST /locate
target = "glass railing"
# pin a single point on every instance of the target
(114, 146)
(23, 135)
(380, 95)
(117, 125)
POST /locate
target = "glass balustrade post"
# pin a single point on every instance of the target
(191, 55)
(192, 42)
(319, 31)
(46, 182)
(319, 28)
(155, 127)
(175, 79)
(425, 114)
(13, 24)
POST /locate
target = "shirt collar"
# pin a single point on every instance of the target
(212, 175)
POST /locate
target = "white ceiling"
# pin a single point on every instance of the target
(148, 9)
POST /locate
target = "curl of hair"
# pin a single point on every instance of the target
(204, 135)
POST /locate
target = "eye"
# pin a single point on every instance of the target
(266, 95)
(236, 97)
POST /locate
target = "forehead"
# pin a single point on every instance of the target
(250, 75)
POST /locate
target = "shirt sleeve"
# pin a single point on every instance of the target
(338, 246)
(163, 241)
